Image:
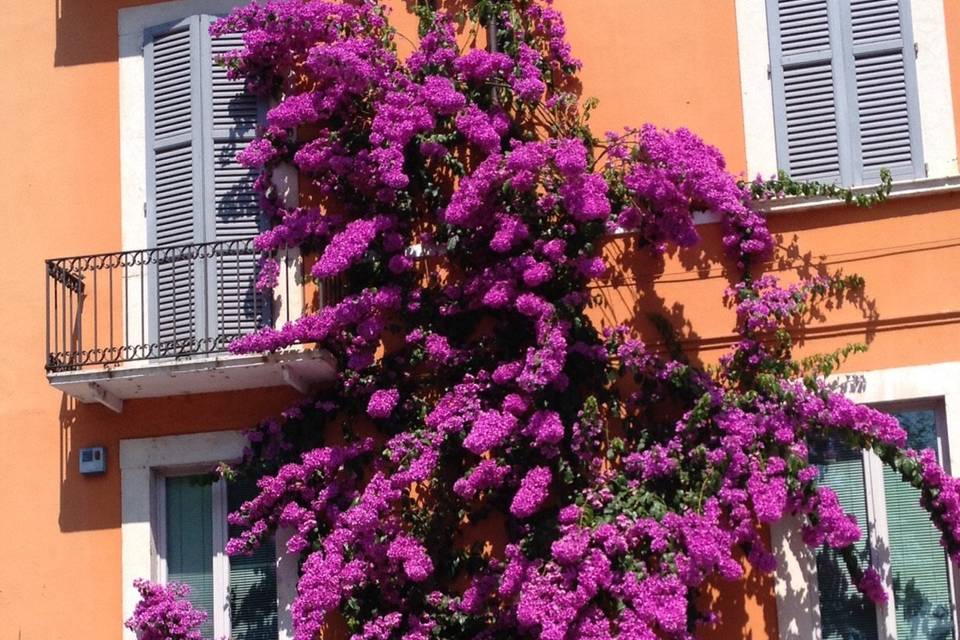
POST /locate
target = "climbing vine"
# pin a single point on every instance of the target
(488, 463)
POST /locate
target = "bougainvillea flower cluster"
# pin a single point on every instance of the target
(488, 463)
(164, 613)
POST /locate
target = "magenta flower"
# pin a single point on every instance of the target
(345, 248)
(164, 613)
(872, 586)
(532, 493)
(491, 429)
(416, 563)
(382, 403)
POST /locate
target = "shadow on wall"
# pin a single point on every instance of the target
(674, 302)
(92, 502)
(87, 502)
(86, 31)
(747, 608)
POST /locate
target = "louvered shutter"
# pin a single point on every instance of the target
(804, 54)
(189, 542)
(922, 591)
(174, 183)
(844, 612)
(231, 120)
(883, 93)
(253, 581)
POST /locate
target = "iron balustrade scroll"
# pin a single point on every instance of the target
(166, 303)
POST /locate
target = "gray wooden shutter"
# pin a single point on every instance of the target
(805, 69)
(844, 89)
(174, 183)
(231, 119)
(880, 60)
(202, 210)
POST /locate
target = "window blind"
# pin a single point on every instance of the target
(232, 116)
(189, 541)
(921, 582)
(845, 614)
(174, 180)
(253, 581)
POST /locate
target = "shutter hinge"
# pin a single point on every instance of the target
(926, 169)
(916, 49)
(769, 72)
(144, 208)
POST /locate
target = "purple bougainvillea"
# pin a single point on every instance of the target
(465, 207)
(164, 613)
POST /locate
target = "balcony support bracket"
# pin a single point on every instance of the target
(295, 379)
(104, 397)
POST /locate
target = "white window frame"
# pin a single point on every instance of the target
(933, 89)
(798, 600)
(145, 463)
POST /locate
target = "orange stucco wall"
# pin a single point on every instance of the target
(672, 63)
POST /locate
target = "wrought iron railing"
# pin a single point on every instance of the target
(173, 302)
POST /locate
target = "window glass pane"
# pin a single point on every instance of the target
(845, 614)
(190, 542)
(253, 581)
(921, 584)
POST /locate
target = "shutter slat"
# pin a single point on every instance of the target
(810, 107)
(804, 26)
(875, 20)
(232, 106)
(240, 308)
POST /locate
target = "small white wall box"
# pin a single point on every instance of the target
(93, 460)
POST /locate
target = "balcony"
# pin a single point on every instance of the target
(159, 322)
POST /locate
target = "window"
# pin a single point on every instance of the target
(197, 119)
(239, 594)
(845, 91)
(899, 541)
(175, 529)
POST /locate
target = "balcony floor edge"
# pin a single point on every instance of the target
(302, 370)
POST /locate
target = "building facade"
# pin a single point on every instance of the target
(121, 139)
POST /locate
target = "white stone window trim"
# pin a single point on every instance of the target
(902, 190)
(933, 87)
(144, 465)
(933, 385)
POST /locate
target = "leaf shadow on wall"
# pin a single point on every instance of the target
(674, 301)
(745, 608)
